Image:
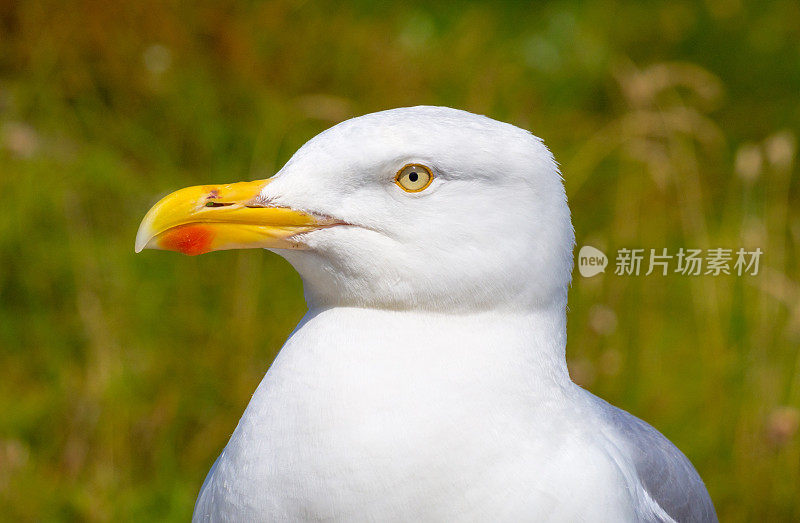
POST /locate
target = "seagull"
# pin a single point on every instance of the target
(428, 379)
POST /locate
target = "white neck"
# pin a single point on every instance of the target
(358, 395)
(412, 348)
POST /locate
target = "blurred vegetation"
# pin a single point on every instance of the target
(676, 124)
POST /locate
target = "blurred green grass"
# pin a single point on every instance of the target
(675, 123)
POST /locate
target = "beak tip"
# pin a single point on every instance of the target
(143, 237)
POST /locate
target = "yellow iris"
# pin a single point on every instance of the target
(414, 178)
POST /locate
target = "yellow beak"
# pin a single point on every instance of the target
(205, 218)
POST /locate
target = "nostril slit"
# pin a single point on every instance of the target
(217, 204)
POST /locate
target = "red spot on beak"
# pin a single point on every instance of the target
(188, 239)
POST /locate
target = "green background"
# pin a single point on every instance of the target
(122, 375)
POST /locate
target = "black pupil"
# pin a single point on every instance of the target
(413, 176)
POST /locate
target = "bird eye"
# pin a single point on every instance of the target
(414, 178)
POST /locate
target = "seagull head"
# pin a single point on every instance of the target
(414, 208)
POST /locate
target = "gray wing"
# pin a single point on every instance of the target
(667, 475)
